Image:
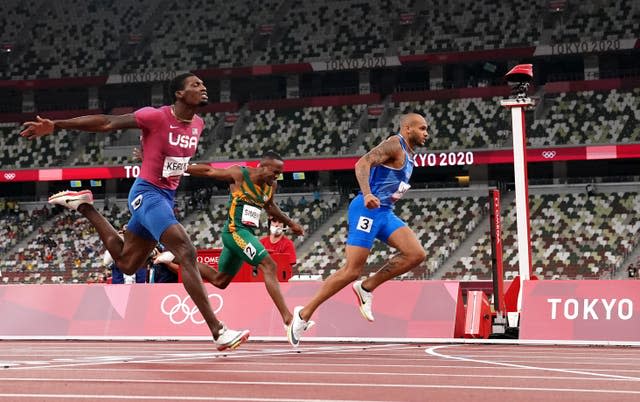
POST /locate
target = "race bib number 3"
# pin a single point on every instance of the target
(175, 166)
(365, 224)
(251, 216)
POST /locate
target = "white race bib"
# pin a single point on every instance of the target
(364, 224)
(251, 216)
(402, 188)
(175, 165)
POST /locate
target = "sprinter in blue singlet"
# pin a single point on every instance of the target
(383, 176)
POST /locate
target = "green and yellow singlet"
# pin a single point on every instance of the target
(246, 204)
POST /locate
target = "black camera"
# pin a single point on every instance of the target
(519, 78)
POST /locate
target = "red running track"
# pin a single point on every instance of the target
(260, 371)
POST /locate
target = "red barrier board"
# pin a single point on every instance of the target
(210, 257)
(581, 310)
(403, 309)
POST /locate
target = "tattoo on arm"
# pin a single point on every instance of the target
(382, 153)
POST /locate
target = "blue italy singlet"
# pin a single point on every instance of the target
(389, 185)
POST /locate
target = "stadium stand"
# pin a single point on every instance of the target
(441, 224)
(296, 132)
(66, 248)
(117, 36)
(585, 117)
(334, 30)
(79, 38)
(458, 25)
(229, 44)
(589, 117)
(574, 236)
(453, 124)
(43, 152)
(614, 19)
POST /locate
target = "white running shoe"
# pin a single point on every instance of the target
(164, 257)
(72, 199)
(230, 339)
(365, 300)
(310, 325)
(297, 327)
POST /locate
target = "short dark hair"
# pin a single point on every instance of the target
(177, 84)
(271, 154)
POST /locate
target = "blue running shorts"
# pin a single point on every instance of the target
(366, 225)
(151, 210)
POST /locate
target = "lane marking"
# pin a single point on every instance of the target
(433, 352)
(172, 398)
(84, 379)
(104, 360)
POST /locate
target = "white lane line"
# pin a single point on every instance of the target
(307, 366)
(171, 398)
(104, 360)
(345, 385)
(290, 374)
(433, 352)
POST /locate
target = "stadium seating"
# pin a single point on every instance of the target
(66, 249)
(574, 236)
(16, 223)
(211, 34)
(78, 38)
(463, 26)
(115, 36)
(334, 29)
(454, 124)
(589, 117)
(614, 19)
(297, 132)
(441, 224)
(49, 151)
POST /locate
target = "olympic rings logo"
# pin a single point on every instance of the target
(548, 154)
(181, 310)
(10, 176)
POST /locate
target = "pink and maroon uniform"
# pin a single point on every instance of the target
(167, 144)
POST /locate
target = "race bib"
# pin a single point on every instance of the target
(175, 165)
(402, 188)
(364, 224)
(251, 216)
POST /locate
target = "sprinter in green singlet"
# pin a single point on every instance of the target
(252, 190)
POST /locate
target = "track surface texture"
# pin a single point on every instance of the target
(273, 371)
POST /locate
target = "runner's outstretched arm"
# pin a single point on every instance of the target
(230, 174)
(273, 210)
(92, 123)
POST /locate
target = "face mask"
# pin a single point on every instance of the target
(275, 230)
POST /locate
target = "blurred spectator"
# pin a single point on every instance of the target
(632, 271)
(277, 242)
